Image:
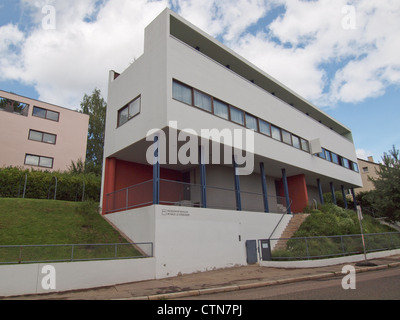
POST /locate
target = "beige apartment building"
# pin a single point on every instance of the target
(39, 135)
(367, 169)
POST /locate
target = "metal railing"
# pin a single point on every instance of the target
(16, 254)
(301, 248)
(177, 193)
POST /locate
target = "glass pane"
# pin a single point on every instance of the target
(276, 133)
(35, 135)
(355, 167)
(345, 163)
(49, 138)
(221, 109)
(202, 101)
(296, 142)
(335, 158)
(264, 127)
(322, 154)
(31, 160)
(251, 122)
(286, 137)
(39, 112)
(328, 155)
(134, 108)
(46, 162)
(52, 115)
(237, 115)
(304, 145)
(122, 116)
(181, 92)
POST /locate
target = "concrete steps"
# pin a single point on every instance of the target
(293, 225)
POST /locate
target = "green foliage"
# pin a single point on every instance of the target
(41, 184)
(385, 199)
(95, 106)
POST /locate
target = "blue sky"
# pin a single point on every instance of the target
(342, 55)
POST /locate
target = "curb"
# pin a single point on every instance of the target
(193, 293)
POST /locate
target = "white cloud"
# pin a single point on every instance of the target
(305, 47)
(65, 63)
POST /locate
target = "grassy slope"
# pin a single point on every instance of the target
(32, 221)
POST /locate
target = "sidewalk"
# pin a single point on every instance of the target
(235, 278)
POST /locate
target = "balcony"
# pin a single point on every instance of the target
(176, 193)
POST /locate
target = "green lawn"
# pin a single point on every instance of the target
(38, 222)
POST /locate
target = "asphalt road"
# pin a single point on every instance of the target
(374, 285)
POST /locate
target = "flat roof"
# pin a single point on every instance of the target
(209, 46)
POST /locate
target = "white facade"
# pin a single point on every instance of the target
(179, 56)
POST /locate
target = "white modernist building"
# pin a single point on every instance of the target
(205, 196)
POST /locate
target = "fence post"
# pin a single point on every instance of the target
(72, 252)
(341, 242)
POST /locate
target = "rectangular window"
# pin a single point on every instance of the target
(335, 158)
(265, 127)
(286, 137)
(221, 109)
(13, 106)
(182, 92)
(328, 155)
(296, 142)
(345, 163)
(42, 136)
(202, 100)
(365, 169)
(237, 115)
(276, 133)
(45, 114)
(251, 122)
(304, 145)
(129, 111)
(39, 161)
(354, 166)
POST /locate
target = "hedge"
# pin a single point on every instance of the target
(41, 184)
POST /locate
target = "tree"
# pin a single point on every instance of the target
(386, 196)
(95, 106)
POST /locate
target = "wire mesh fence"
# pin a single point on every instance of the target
(332, 246)
(15, 254)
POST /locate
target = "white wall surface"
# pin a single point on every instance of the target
(27, 278)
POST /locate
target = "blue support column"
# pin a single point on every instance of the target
(237, 185)
(344, 197)
(332, 192)
(321, 197)
(354, 198)
(286, 190)
(203, 178)
(264, 187)
(156, 173)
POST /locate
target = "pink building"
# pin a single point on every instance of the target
(39, 135)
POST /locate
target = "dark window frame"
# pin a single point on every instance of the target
(126, 107)
(43, 133)
(39, 157)
(45, 116)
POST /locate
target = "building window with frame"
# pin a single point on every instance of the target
(265, 127)
(286, 137)
(182, 92)
(304, 145)
(276, 133)
(129, 111)
(296, 142)
(237, 115)
(251, 122)
(42, 136)
(38, 161)
(45, 114)
(202, 100)
(221, 109)
(335, 158)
